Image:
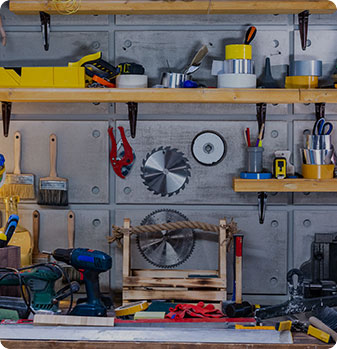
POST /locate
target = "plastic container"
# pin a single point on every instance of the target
(238, 51)
(255, 157)
(318, 171)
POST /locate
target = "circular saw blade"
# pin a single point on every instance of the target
(165, 171)
(208, 148)
(167, 248)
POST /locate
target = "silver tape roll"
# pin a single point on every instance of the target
(305, 68)
(238, 66)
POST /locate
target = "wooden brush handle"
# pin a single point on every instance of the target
(36, 232)
(322, 326)
(17, 153)
(71, 229)
(53, 154)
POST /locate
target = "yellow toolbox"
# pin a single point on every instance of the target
(67, 77)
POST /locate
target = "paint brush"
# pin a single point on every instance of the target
(259, 139)
(53, 190)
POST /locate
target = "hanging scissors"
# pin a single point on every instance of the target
(322, 127)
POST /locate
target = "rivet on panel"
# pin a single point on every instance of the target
(273, 281)
(127, 190)
(276, 43)
(96, 222)
(96, 133)
(96, 45)
(127, 43)
(274, 224)
(274, 134)
(307, 223)
(95, 190)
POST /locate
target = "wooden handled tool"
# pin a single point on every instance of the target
(71, 229)
(238, 240)
(37, 255)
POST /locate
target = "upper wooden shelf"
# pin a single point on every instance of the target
(141, 7)
(163, 95)
(284, 185)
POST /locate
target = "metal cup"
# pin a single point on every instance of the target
(174, 80)
(318, 142)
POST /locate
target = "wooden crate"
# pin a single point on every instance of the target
(174, 284)
(10, 257)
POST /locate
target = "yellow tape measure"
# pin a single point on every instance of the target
(131, 308)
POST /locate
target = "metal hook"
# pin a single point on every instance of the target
(45, 29)
(133, 111)
(262, 202)
(303, 21)
(319, 110)
(6, 116)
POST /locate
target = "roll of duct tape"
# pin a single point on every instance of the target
(131, 308)
(237, 81)
(301, 82)
(305, 68)
(238, 52)
(238, 66)
(131, 81)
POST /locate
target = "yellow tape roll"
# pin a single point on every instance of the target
(301, 82)
(318, 171)
(238, 51)
(131, 308)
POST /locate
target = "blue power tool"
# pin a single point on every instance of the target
(90, 263)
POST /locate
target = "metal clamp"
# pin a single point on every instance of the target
(45, 29)
(262, 205)
(319, 110)
(133, 111)
(303, 21)
(6, 116)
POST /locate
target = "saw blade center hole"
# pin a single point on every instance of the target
(208, 148)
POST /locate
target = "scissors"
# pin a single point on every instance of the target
(322, 127)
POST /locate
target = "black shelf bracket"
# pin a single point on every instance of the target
(319, 110)
(262, 205)
(303, 22)
(45, 29)
(6, 116)
(133, 112)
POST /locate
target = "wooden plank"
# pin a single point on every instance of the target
(174, 282)
(67, 320)
(285, 185)
(126, 249)
(176, 295)
(223, 254)
(318, 96)
(150, 95)
(179, 7)
(160, 273)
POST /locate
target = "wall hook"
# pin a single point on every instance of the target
(303, 21)
(45, 29)
(6, 116)
(319, 110)
(133, 111)
(261, 112)
(262, 202)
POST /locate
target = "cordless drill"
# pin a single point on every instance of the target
(90, 264)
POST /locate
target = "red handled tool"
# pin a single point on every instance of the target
(119, 163)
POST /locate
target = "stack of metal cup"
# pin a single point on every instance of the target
(237, 70)
(318, 150)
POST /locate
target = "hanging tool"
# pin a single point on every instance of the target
(9, 230)
(322, 127)
(303, 22)
(6, 116)
(165, 171)
(250, 35)
(267, 80)
(167, 248)
(319, 110)
(90, 263)
(261, 113)
(3, 33)
(297, 303)
(38, 257)
(133, 111)
(45, 29)
(71, 229)
(121, 163)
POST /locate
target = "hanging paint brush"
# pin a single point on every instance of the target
(17, 183)
(38, 257)
(71, 229)
(259, 139)
(250, 35)
(53, 190)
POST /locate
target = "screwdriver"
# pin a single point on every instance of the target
(250, 35)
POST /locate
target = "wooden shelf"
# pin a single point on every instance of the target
(284, 185)
(161, 95)
(100, 7)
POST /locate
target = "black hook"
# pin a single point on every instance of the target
(319, 110)
(262, 201)
(45, 29)
(303, 21)
(133, 111)
(261, 112)
(6, 116)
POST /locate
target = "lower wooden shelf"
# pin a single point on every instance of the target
(284, 185)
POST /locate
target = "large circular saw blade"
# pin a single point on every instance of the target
(165, 171)
(167, 248)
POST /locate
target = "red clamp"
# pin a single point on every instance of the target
(127, 159)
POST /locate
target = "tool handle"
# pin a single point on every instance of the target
(36, 232)
(322, 326)
(71, 229)
(238, 240)
(53, 154)
(250, 35)
(17, 153)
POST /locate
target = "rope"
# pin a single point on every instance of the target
(118, 232)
